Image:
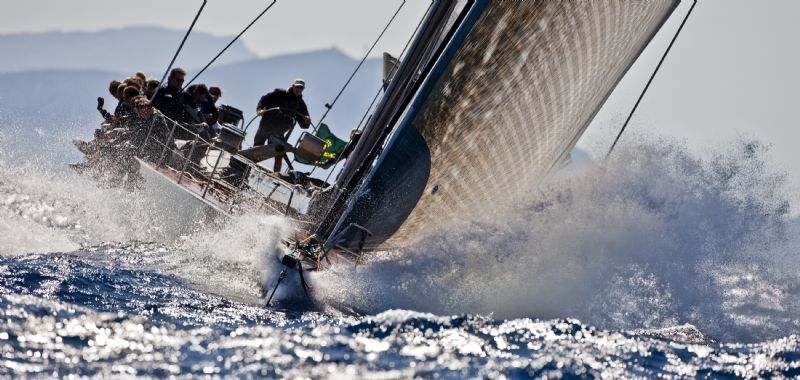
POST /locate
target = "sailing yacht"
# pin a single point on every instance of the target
(490, 97)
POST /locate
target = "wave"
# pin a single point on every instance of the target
(653, 237)
(43, 337)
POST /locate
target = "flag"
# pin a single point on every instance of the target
(331, 150)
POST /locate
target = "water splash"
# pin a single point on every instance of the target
(78, 209)
(654, 237)
(45, 211)
(236, 260)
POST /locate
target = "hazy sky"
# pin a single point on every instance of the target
(290, 25)
(733, 72)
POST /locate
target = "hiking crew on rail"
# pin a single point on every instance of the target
(194, 108)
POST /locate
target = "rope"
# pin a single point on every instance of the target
(250, 122)
(675, 37)
(179, 48)
(230, 43)
(329, 106)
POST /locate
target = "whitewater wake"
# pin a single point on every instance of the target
(654, 237)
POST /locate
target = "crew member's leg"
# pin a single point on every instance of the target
(278, 161)
(261, 137)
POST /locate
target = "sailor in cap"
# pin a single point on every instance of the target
(279, 110)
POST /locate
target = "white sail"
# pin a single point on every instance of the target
(512, 102)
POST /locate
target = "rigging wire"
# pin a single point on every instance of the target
(402, 52)
(230, 43)
(361, 124)
(635, 106)
(180, 47)
(330, 105)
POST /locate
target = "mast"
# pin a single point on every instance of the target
(506, 97)
(398, 95)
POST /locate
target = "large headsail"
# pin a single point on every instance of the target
(522, 82)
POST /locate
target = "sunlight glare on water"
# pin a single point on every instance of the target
(628, 264)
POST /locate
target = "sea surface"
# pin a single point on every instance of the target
(656, 263)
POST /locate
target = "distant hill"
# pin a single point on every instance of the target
(129, 49)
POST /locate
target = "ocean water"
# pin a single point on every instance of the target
(656, 263)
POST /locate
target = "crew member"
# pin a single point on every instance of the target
(150, 87)
(150, 122)
(209, 107)
(169, 99)
(196, 94)
(112, 88)
(214, 93)
(279, 110)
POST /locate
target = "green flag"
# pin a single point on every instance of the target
(331, 150)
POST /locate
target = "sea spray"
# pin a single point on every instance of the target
(102, 214)
(158, 308)
(237, 259)
(653, 237)
(46, 210)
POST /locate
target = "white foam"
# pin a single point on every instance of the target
(653, 238)
(20, 236)
(235, 260)
(45, 208)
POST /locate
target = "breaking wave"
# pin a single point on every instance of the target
(653, 237)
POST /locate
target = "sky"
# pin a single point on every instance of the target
(732, 74)
(289, 26)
